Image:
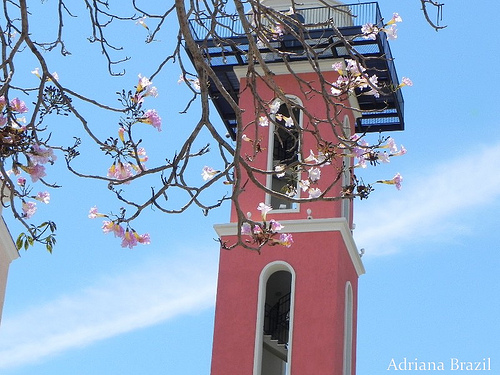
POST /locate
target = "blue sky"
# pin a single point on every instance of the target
(431, 287)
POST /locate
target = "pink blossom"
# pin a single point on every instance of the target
(392, 32)
(110, 226)
(151, 117)
(280, 169)
(263, 121)
(383, 157)
(341, 86)
(43, 196)
(21, 181)
(361, 163)
(361, 148)
(289, 122)
(208, 173)
(396, 180)
(391, 144)
(93, 213)
(304, 184)
(311, 158)
(36, 72)
(144, 88)
(195, 83)
(402, 151)
(142, 155)
(257, 229)
(142, 238)
(120, 171)
(3, 102)
(246, 229)
(275, 226)
(314, 192)
(29, 209)
(369, 31)
(141, 21)
(274, 107)
(36, 172)
(264, 209)
(354, 67)
(143, 83)
(405, 82)
(18, 105)
(39, 155)
(3, 120)
(337, 66)
(129, 240)
(395, 18)
(286, 239)
(314, 174)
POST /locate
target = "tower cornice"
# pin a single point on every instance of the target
(310, 226)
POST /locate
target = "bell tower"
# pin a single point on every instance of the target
(292, 310)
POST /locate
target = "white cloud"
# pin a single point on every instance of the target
(432, 203)
(149, 294)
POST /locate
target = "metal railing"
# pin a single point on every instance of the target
(342, 16)
(277, 319)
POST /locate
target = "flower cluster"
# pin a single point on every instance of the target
(130, 238)
(14, 138)
(375, 154)
(12, 125)
(352, 77)
(266, 232)
(193, 82)
(379, 153)
(144, 89)
(130, 160)
(370, 31)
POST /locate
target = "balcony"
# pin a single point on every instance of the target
(320, 29)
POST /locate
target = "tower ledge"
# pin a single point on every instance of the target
(310, 226)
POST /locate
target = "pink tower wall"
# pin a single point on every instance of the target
(252, 195)
(322, 266)
(320, 260)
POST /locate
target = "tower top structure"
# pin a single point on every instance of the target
(285, 4)
(321, 24)
(299, 82)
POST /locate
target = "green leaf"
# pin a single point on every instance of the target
(19, 241)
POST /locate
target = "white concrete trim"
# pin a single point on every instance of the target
(348, 328)
(6, 243)
(266, 272)
(310, 225)
(280, 68)
(270, 151)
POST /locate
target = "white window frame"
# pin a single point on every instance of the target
(348, 329)
(270, 153)
(266, 272)
(346, 176)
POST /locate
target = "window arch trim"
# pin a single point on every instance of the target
(270, 154)
(265, 274)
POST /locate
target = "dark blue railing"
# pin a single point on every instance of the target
(349, 15)
(225, 42)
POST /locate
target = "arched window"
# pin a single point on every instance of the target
(348, 327)
(284, 146)
(274, 320)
